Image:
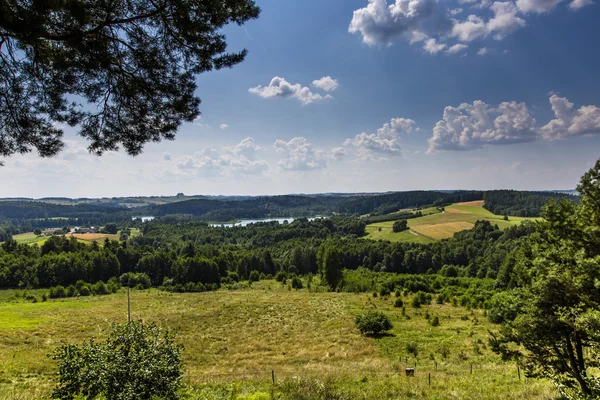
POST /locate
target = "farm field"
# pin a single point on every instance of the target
(31, 238)
(433, 227)
(241, 336)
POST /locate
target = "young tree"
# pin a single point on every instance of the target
(557, 326)
(133, 61)
(135, 362)
(331, 264)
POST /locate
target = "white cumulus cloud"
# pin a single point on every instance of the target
(237, 160)
(472, 126)
(434, 21)
(326, 83)
(300, 155)
(457, 48)
(385, 142)
(569, 121)
(577, 4)
(432, 46)
(505, 20)
(338, 153)
(224, 126)
(381, 24)
(279, 87)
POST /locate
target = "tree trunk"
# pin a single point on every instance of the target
(577, 373)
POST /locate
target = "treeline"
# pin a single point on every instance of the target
(178, 253)
(387, 203)
(520, 204)
(29, 215)
(259, 207)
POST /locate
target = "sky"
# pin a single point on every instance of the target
(369, 96)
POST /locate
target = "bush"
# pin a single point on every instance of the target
(57, 292)
(99, 288)
(85, 290)
(398, 303)
(373, 322)
(400, 225)
(421, 298)
(254, 276)
(71, 291)
(384, 292)
(297, 283)
(281, 276)
(435, 321)
(412, 348)
(135, 362)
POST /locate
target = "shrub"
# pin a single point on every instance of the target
(444, 350)
(398, 303)
(412, 348)
(415, 302)
(297, 283)
(99, 288)
(135, 362)
(281, 276)
(254, 276)
(373, 322)
(384, 292)
(435, 321)
(71, 291)
(85, 290)
(421, 298)
(57, 292)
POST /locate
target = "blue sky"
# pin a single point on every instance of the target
(371, 96)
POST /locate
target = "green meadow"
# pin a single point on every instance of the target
(235, 339)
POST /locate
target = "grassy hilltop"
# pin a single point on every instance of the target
(441, 225)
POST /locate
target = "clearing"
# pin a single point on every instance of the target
(88, 238)
(433, 227)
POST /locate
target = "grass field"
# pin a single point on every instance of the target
(31, 238)
(429, 228)
(241, 336)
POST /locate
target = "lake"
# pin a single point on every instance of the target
(144, 219)
(244, 222)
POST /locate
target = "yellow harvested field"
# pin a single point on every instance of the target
(91, 236)
(476, 203)
(442, 231)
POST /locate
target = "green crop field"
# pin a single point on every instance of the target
(432, 227)
(235, 339)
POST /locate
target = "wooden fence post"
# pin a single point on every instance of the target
(429, 378)
(471, 368)
(519, 371)
(273, 375)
